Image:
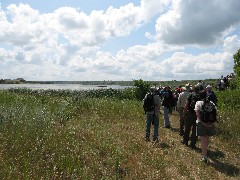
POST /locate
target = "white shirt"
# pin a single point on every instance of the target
(182, 98)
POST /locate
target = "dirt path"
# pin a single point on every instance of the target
(184, 162)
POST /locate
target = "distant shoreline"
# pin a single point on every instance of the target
(173, 83)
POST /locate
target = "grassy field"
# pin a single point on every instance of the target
(63, 135)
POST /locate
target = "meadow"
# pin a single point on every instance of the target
(100, 135)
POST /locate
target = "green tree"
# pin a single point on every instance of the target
(236, 66)
(236, 69)
(142, 87)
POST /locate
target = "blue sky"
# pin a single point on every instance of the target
(118, 40)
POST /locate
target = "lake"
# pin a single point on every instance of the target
(62, 86)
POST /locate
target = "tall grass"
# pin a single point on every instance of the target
(94, 135)
(49, 137)
(229, 117)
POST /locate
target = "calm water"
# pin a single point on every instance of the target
(60, 86)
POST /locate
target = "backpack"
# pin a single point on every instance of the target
(168, 101)
(209, 112)
(194, 98)
(212, 97)
(148, 103)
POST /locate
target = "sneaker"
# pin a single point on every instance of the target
(155, 140)
(204, 159)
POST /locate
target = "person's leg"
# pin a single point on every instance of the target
(166, 117)
(204, 145)
(148, 125)
(156, 126)
(187, 129)
(194, 134)
(181, 121)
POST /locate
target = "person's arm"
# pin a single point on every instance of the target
(158, 101)
(185, 108)
(179, 101)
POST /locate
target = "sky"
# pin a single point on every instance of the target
(118, 40)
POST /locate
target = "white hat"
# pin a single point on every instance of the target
(209, 86)
(187, 86)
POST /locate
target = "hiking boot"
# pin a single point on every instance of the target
(155, 140)
(204, 159)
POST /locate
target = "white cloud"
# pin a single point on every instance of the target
(231, 44)
(198, 22)
(65, 44)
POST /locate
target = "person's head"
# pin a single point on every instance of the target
(166, 88)
(202, 94)
(153, 89)
(196, 89)
(187, 86)
(209, 88)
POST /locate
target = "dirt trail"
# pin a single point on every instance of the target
(184, 161)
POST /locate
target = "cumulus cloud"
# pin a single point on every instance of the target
(66, 44)
(197, 22)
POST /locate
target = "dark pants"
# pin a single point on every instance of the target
(190, 125)
(181, 121)
(149, 120)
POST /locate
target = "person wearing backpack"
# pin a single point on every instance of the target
(211, 95)
(167, 103)
(190, 118)
(206, 113)
(151, 105)
(180, 107)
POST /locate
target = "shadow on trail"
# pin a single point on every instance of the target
(174, 129)
(161, 145)
(216, 154)
(226, 168)
(223, 167)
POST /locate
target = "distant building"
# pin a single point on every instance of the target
(7, 81)
(14, 81)
(20, 80)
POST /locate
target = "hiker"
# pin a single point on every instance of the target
(200, 84)
(190, 118)
(152, 114)
(212, 96)
(176, 95)
(180, 107)
(205, 124)
(167, 104)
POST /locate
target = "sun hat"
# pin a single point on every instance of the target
(209, 86)
(187, 86)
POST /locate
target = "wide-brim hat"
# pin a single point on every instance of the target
(187, 86)
(209, 86)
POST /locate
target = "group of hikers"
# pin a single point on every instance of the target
(224, 82)
(197, 108)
